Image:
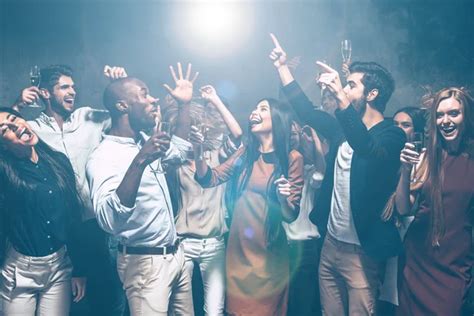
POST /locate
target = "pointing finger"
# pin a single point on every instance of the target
(325, 67)
(275, 40)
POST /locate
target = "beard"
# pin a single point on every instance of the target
(360, 105)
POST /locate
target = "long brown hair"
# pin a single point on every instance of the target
(436, 153)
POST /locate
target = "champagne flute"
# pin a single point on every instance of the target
(346, 51)
(204, 129)
(164, 127)
(417, 140)
(35, 80)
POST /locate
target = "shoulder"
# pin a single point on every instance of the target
(90, 114)
(102, 154)
(392, 132)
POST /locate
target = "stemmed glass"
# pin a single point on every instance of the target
(346, 51)
(164, 127)
(35, 80)
(417, 140)
(199, 122)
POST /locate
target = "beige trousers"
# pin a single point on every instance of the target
(156, 284)
(35, 285)
(349, 280)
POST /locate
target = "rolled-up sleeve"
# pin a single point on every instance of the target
(104, 179)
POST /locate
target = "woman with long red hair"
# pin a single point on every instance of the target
(436, 276)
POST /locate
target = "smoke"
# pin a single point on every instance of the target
(420, 42)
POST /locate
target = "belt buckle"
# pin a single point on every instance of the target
(165, 251)
(124, 250)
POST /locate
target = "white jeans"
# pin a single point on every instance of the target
(36, 285)
(156, 284)
(209, 254)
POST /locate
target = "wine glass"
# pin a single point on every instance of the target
(346, 51)
(198, 122)
(417, 140)
(35, 80)
(164, 127)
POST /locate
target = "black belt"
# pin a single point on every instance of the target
(148, 250)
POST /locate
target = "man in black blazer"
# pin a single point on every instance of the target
(361, 174)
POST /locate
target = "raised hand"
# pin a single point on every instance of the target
(28, 96)
(294, 62)
(183, 91)
(195, 136)
(345, 68)
(278, 55)
(330, 79)
(114, 72)
(408, 156)
(209, 94)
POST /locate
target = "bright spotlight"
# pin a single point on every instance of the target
(215, 28)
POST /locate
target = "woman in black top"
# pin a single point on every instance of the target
(39, 216)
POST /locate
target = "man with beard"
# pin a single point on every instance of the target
(75, 133)
(131, 198)
(362, 172)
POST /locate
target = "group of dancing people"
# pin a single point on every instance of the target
(331, 209)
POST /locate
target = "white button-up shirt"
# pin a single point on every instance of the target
(81, 134)
(150, 222)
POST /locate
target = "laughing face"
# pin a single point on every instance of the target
(260, 120)
(63, 95)
(450, 120)
(15, 134)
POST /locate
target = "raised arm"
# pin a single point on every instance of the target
(384, 147)
(206, 176)
(404, 198)
(114, 72)
(182, 93)
(321, 121)
(209, 94)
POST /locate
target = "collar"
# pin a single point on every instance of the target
(127, 140)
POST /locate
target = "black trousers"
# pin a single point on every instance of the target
(303, 296)
(104, 293)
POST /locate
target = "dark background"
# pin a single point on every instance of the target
(423, 43)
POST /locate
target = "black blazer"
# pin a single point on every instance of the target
(374, 171)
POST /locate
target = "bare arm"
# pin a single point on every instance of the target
(209, 93)
(182, 93)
